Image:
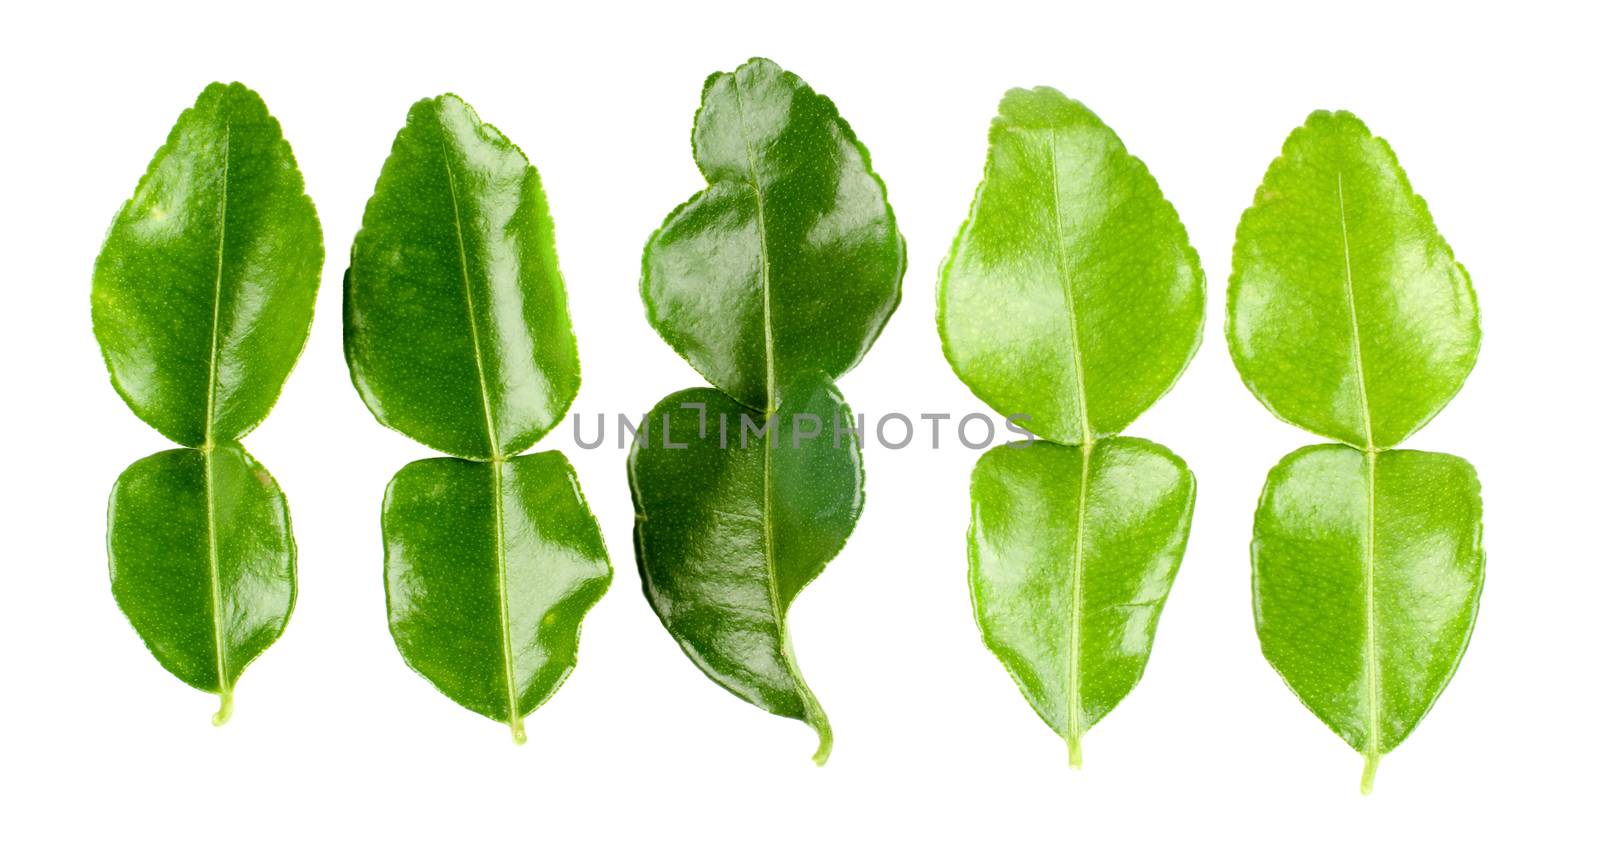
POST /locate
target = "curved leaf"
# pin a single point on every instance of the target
(202, 562)
(1347, 313)
(731, 525)
(1071, 293)
(1069, 572)
(490, 568)
(456, 324)
(204, 289)
(1367, 573)
(790, 260)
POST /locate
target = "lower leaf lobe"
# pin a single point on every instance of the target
(1069, 576)
(490, 568)
(732, 524)
(202, 561)
(1367, 572)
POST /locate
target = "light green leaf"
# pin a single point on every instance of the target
(1348, 316)
(732, 524)
(1367, 573)
(202, 562)
(1069, 572)
(1071, 293)
(790, 260)
(456, 324)
(203, 291)
(1071, 300)
(1347, 313)
(490, 569)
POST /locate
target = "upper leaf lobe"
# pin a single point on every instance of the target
(203, 292)
(456, 324)
(1348, 314)
(790, 261)
(1071, 293)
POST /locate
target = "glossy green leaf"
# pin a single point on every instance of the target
(203, 291)
(490, 569)
(202, 562)
(732, 524)
(202, 301)
(789, 261)
(1069, 572)
(1348, 316)
(457, 334)
(1071, 300)
(1071, 293)
(1347, 313)
(456, 324)
(1367, 573)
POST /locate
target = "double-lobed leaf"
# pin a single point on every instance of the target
(789, 261)
(456, 324)
(1071, 300)
(457, 334)
(736, 512)
(202, 302)
(772, 282)
(1071, 294)
(1349, 317)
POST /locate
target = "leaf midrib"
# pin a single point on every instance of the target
(813, 708)
(1369, 565)
(496, 461)
(1086, 447)
(208, 448)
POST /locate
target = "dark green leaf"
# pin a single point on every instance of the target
(789, 261)
(1071, 294)
(202, 301)
(456, 325)
(202, 562)
(1347, 313)
(204, 289)
(1069, 573)
(491, 567)
(1368, 568)
(731, 525)
(457, 334)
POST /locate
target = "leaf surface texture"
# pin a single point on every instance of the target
(1072, 301)
(1349, 316)
(457, 334)
(202, 301)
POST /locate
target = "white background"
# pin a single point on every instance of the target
(334, 739)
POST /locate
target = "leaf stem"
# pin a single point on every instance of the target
(824, 738)
(225, 711)
(1369, 771)
(1075, 752)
